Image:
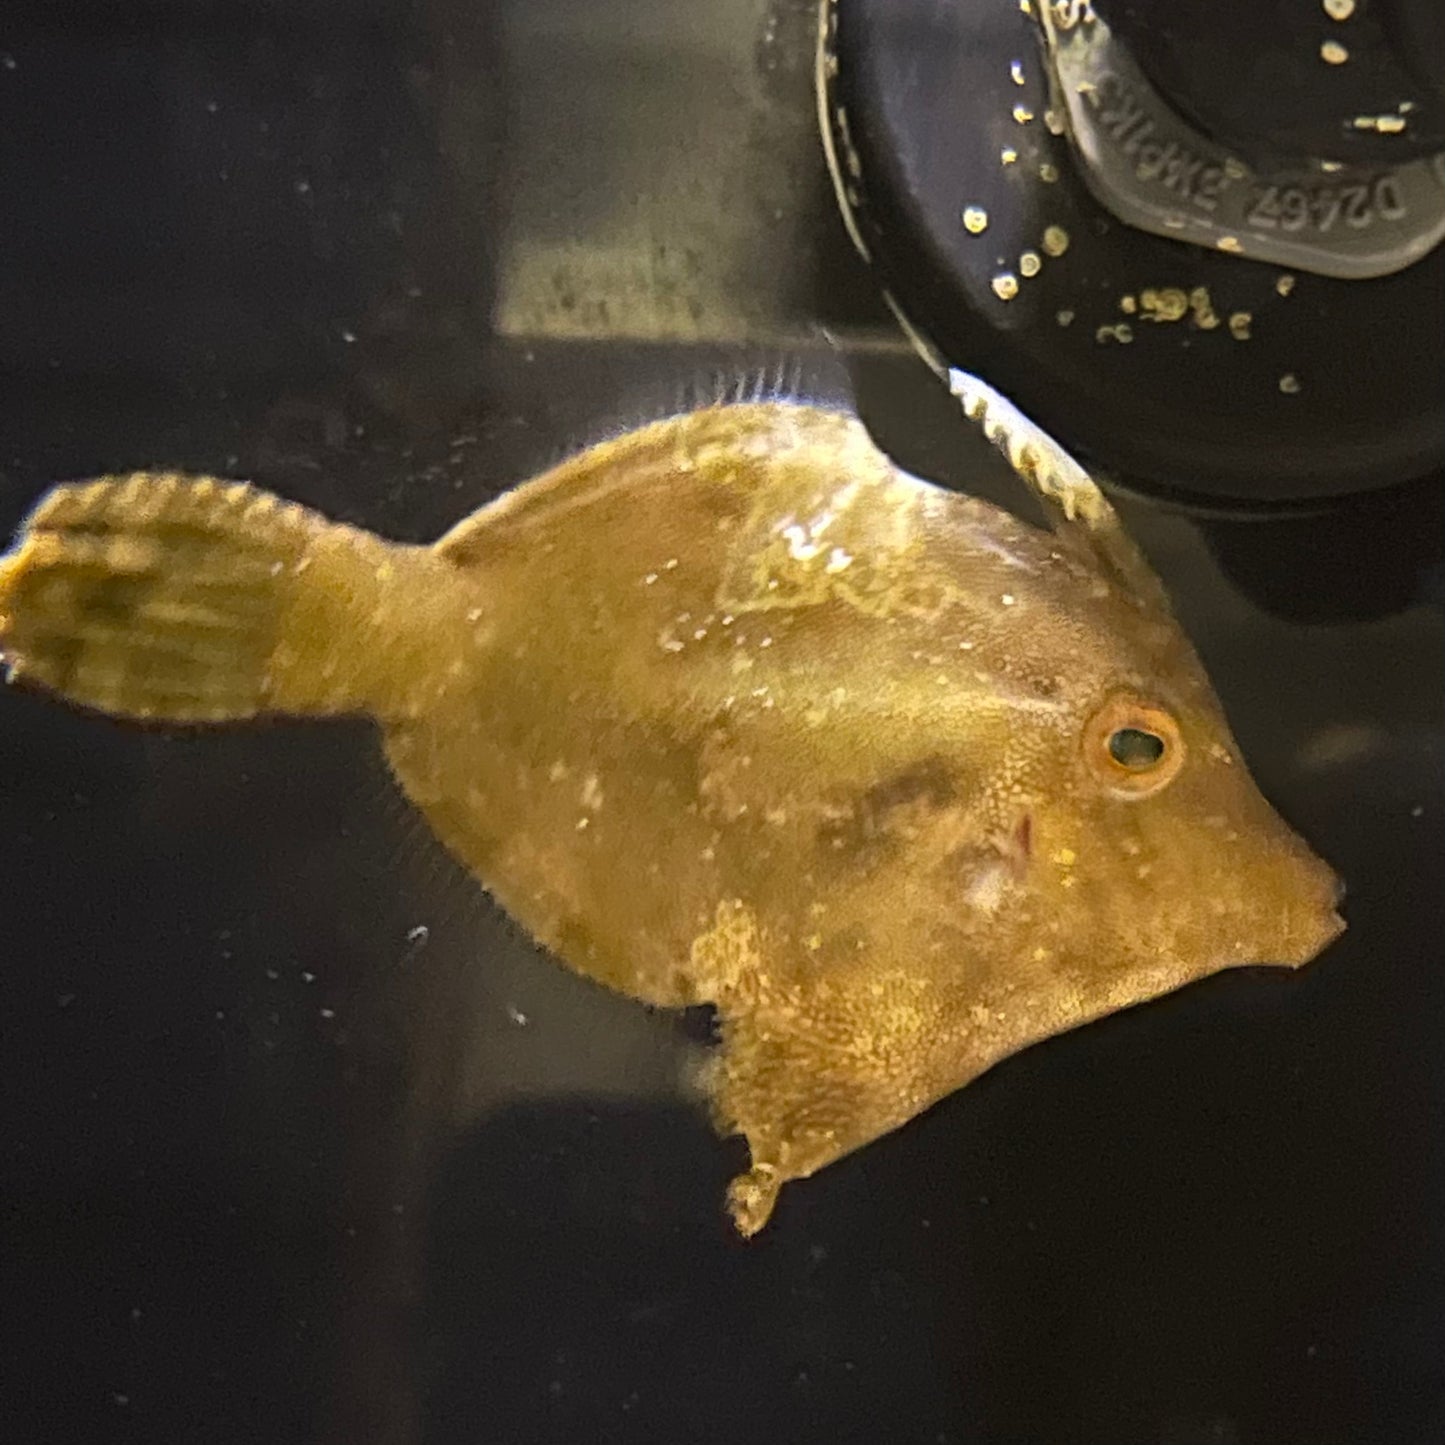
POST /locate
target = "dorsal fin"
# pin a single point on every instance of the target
(646, 463)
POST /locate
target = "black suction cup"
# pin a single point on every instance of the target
(1233, 292)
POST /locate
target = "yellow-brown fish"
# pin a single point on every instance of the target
(731, 709)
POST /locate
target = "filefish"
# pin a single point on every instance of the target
(732, 710)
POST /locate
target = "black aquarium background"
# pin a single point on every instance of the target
(300, 1140)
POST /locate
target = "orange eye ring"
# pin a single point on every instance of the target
(1133, 748)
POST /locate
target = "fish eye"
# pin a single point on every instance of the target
(1133, 747)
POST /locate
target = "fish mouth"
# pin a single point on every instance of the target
(1334, 926)
(1335, 922)
(1314, 927)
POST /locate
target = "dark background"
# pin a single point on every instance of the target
(300, 1140)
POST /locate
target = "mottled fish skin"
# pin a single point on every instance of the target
(730, 709)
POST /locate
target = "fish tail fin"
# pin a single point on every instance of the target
(190, 600)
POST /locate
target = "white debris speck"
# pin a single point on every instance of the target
(516, 1017)
(419, 934)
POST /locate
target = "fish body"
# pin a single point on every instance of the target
(731, 709)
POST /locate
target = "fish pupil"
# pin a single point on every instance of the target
(1135, 749)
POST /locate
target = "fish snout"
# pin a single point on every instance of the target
(1312, 918)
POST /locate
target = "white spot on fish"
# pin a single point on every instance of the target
(592, 793)
(986, 889)
(801, 546)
